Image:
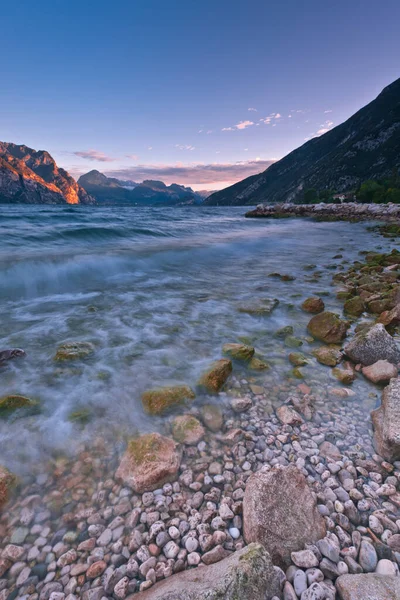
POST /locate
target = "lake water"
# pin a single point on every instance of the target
(157, 291)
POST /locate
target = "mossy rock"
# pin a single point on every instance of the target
(292, 342)
(11, 404)
(328, 356)
(159, 400)
(313, 305)
(261, 307)
(188, 430)
(81, 417)
(354, 306)
(298, 359)
(345, 376)
(238, 351)
(328, 328)
(378, 306)
(256, 364)
(8, 482)
(343, 295)
(215, 377)
(74, 351)
(284, 331)
(296, 373)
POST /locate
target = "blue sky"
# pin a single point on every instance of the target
(200, 93)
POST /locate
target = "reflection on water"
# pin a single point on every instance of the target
(157, 292)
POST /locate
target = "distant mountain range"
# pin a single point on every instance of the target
(366, 146)
(108, 190)
(32, 177)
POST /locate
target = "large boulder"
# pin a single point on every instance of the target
(328, 328)
(7, 482)
(214, 378)
(386, 422)
(149, 461)
(280, 512)
(380, 372)
(159, 400)
(368, 586)
(371, 345)
(248, 574)
(238, 351)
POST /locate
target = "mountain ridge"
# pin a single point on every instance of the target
(365, 146)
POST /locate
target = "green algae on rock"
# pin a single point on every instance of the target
(74, 351)
(215, 377)
(328, 356)
(284, 331)
(354, 306)
(12, 403)
(292, 341)
(186, 429)
(313, 305)
(7, 483)
(298, 359)
(159, 400)
(328, 328)
(238, 351)
(256, 364)
(149, 461)
(212, 417)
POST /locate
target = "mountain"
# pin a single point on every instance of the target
(28, 176)
(366, 146)
(116, 191)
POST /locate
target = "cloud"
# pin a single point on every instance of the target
(324, 128)
(327, 111)
(241, 125)
(182, 147)
(132, 156)
(94, 155)
(253, 109)
(277, 116)
(150, 148)
(213, 174)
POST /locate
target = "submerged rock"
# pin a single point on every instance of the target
(313, 305)
(298, 359)
(288, 416)
(271, 513)
(213, 379)
(368, 586)
(159, 400)
(10, 354)
(212, 417)
(238, 351)
(328, 356)
(284, 331)
(7, 483)
(371, 345)
(380, 372)
(74, 351)
(186, 429)
(264, 306)
(9, 404)
(247, 574)
(256, 364)
(149, 461)
(328, 328)
(346, 375)
(386, 422)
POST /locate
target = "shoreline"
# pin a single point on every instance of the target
(347, 211)
(82, 530)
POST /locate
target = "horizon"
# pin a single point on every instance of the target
(145, 94)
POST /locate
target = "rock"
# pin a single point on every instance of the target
(10, 354)
(74, 351)
(284, 331)
(212, 417)
(386, 567)
(329, 450)
(159, 400)
(371, 345)
(305, 559)
(240, 405)
(367, 557)
(186, 429)
(298, 359)
(354, 306)
(149, 461)
(246, 574)
(261, 307)
(313, 305)
(213, 379)
(288, 416)
(380, 372)
(346, 375)
(9, 404)
(328, 356)
(215, 555)
(7, 483)
(238, 351)
(256, 364)
(390, 317)
(368, 587)
(386, 422)
(271, 513)
(328, 328)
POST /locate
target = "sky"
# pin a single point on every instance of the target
(197, 93)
